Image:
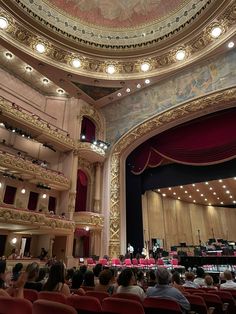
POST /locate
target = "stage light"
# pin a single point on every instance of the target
(40, 47)
(216, 31)
(145, 66)
(76, 63)
(180, 55)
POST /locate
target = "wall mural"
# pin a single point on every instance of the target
(123, 115)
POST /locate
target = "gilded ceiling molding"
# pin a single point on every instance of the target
(88, 219)
(34, 219)
(195, 108)
(196, 44)
(18, 114)
(21, 165)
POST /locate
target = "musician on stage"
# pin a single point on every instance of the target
(130, 250)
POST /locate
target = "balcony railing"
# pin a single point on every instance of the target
(89, 220)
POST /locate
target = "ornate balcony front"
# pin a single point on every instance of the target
(90, 152)
(93, 221)
(40, 129)
(33, 172)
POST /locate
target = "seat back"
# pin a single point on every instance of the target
(90, 261)
(161, 306)
(49, 307)
(160, 262)
(143, 261)
(135, 261)
(226, 297)
(103, 261)
(151, 261)
(15, 306)
(31, 295)
(52, 296)
(128, 296)
(128, 262)
(197, 303)
(100, 295)
(174, 262)
(121, 306)
(212, 300)
(115, 262)
(85, 304)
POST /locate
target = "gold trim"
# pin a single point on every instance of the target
(92, 220)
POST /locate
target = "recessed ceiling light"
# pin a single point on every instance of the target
(180, 55)
(181, 186)
(45, 81)
(76, 63)
(44, 195)
(111, 69)
(3, 22)
(231, 196)
(202, 195)
(145, 66)
(205, 199)
(222, 203)
(118, 94)
(194, 201)
(185, 192)
(198, 190)
(190, 196)
(138, 85)
(210, 188)
(234, 202)
(28, 68)
(206, 183)
(214, 193)
(147, 81)
(224, 186)
(158, 190)
(216, 31)
(127, 90)
(164, 194)
(40, 47)
(178, 198)
(231, 44)
(227, 192)
(23, 191)
(174, 193)
(234, 178)
(193, 184)
(220, 181)
(8, 55)
(209, 204)
(169, 189)
(60, 91)
(218, 198)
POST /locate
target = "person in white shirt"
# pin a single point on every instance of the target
(127, 284)
(229, 284)
(130, 250)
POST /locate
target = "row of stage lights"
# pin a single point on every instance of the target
(98, 143)
(201, 194)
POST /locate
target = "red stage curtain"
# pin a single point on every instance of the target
(81, 191)
(204, 141)
(88, 129)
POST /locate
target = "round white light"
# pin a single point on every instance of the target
(28, 68)
(40, 47)
(23, 191)
(111, 69)
(3, 23)
(83, 137)
(44, 195)
(222, 203)
(164, 194)
(145, 67)
(60, 91)
(178, 198)
(147, 81)
(138, 85)
(87, 228)
(180, 55)
(119, 94)
(45, 81)
(76, 63)
(231, 44)
(14, 240)
(8, 55)
(216, 32)
(128, 90)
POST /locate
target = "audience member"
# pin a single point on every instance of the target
(77, 279)
(88, 279)
(229, 284)
(96, 270)
(209, 283)
(199, 280)
(176, 281)
(16, 271)
(105, 282)
(189, 278)
(151, 278)
(32, 271)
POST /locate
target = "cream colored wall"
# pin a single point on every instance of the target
(176, 221)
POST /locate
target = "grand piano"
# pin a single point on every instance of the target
(194, 261)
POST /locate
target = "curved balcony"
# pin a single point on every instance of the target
(33, 172)
(24, 220)
(40, 129)
(93, 221)
(90, 152)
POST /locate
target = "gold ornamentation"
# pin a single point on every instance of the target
(195, 108)
(94, 115)
(89, 219)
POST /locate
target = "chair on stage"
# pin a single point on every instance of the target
(156, 305)
(31, 295)
(85, 304)
(52, 296)
(128, 262)
(128, 296)
(121, 306)
(49, 307)
(160, 262)
(135, 262)
(103, 261)
(143, 262)
(100, 295)
(151, 262)
(15, 306)
(90, 262)
(115, 262)
(174, 263)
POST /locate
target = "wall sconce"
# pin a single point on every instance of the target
(13, 240)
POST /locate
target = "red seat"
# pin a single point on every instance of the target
(85, 304)
(52, 296)
(151, 262)
(121, 306)
(31, 295)
(49, 307)
(15, 306)
(128, 296)
(174, 262)
(90, 261)
(226, 297)
(143, 262)
(100, 295)
(128, 262)
(212, 300)
(135, 262)
(232, 291)
(161, 306)
(116, 262)
(77, 291)
(197, 303)
(103, 261)
(160, 262)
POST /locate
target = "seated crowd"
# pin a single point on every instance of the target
(160, 283)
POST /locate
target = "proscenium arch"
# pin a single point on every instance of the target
(184, 112)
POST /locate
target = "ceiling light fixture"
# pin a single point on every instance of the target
(185, 192)
(119, 94)
(231, 44)
(40, 47)
(45, 81)
(174, 193)
(216, 31)
(8, 55)
(227, 192)
(3, 22)
(231, 196)
(214, 193)
(111, 69)
(194, 201)
(138, 85)
(169, 189)
(28, 68)
(222, 203)
(164, 194)
(127, 90)
(198, 190)
(234, 202)
(23, 191)
(44, 195)
(224, 186)
(180, 55)
(60, 91)
(147, 81)
(206, 183)
(181, 186)
(178, 198)
(193, 184)
(76, 63)
(220, 181)
(145, 67)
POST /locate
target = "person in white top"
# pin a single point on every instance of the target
(130, 250)
(229, 284)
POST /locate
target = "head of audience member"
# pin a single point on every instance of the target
(105, 277)
(83, 269)
(126, 278)
(41, 275)
(56, 276)
(77, 279)
(176, 278)
(88, 279)
(189, 276)
(151, 276)
(163, 276)
(208, 280)
(228, 275)
(200, 273)
(97, 269)
(69, 274)
(140, 275)
(16, 271)
(2, 273)
(33, 271)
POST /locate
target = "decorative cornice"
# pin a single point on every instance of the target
(34, 219)
(217, 101)
(88, 219)
(43, 175)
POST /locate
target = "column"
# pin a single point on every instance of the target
(72, 192)
(95, 238)
(97, 194)
(70, 261)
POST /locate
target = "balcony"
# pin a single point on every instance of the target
(91, 152)
(38, 128)
(93, 221)
(33, 173)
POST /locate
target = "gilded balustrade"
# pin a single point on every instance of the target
(91, 220)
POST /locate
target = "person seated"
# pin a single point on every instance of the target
(43, 254)
(88, 280)
(105, 282)
(14, 254)
(176, 281)
(127, 283)
(163, 290)
(33, 271)
(16, 271)
(56, 279)
(229, 284)
(97, 270)
(189, 278)
(151, 278)
(209, 283)
(199, 280)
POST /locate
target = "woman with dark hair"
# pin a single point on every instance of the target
(77, 279)
(88, 279)
(200, 275)
(176, 281)
(126, 282)
(16, 271)
(56, 279)
(33, 271)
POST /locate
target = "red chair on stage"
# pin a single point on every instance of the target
(197, 303)
(135, 262)
(90, 262)
(128, 296)
(161, 306)
(160, 262)
(103, 261)
(52, 296)
(121, 306)
(116, 262)
(100, 295)
(31, 295)
(143, 262)
(128, 262)
(85, 304)
(151, 262)
(49, 307)
(15, 306)
(174, 263)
